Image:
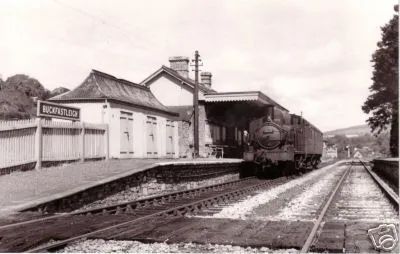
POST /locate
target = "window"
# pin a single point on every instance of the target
(215, 131)
(240, 137)
(236, 134)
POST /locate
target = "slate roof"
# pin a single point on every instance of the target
(100, 85)
(185, 112)
(190, 82)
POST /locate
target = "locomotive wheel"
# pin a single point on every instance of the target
(298, 164)
(315, 163)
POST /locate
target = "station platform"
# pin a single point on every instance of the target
(388, 170)
(22, 190)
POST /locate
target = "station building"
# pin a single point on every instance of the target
(223, 116)
(139, 125)
(154, 119)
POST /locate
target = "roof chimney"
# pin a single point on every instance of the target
(180, 64)
(206, 79)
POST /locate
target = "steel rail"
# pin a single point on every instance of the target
(179, 210)
(115, 207)
(393, 197)
(317, 224)
(158, 198)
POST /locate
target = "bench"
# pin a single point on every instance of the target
(217, 151)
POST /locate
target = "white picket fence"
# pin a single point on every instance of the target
(37, 140)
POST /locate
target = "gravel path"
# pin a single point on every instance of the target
(245, 209)
(91, 246)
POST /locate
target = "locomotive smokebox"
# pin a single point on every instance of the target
(270, 136)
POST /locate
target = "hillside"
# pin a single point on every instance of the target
(359, 137)
(353, 130)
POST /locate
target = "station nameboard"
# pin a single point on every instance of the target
(54, 110)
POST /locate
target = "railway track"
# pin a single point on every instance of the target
(132, 219)
(129, 206)
(116, 219)
(328, 211)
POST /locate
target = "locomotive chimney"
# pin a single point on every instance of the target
(180, 64)
(206, 79)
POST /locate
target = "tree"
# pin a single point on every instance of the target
(15, 104)
(383, 102)
(58, 91)
(29, 86)
(17, 97)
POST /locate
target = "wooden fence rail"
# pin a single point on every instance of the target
(36, 140)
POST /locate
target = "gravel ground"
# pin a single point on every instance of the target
(361, 199)
(245, 208)
(153, 188)
(91, 246)
(307, 203)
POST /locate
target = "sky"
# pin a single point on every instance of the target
(311, 56)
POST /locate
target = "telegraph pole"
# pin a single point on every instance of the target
(196, 104)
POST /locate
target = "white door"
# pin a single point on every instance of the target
(126, 139)
(170, 139)
(151, 126)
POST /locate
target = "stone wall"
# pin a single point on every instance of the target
(186, 133)
(153, 187)
(151, 181)
(388, 170)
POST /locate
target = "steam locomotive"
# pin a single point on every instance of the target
(282, 143)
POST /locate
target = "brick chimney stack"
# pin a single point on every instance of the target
(206, 79)
(180, 64)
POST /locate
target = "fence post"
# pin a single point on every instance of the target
(106, 142)
(82, 141)
(38, 143)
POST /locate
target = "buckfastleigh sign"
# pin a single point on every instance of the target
(48, 109)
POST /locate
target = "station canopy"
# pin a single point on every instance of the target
(253, 97)
(238, 107)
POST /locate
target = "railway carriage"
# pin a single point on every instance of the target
(283, 143)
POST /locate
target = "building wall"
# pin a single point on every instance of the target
(185, 131)
(110, 114)
(90, 112)
(171, 92)
(186, 134)
(140, 131)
